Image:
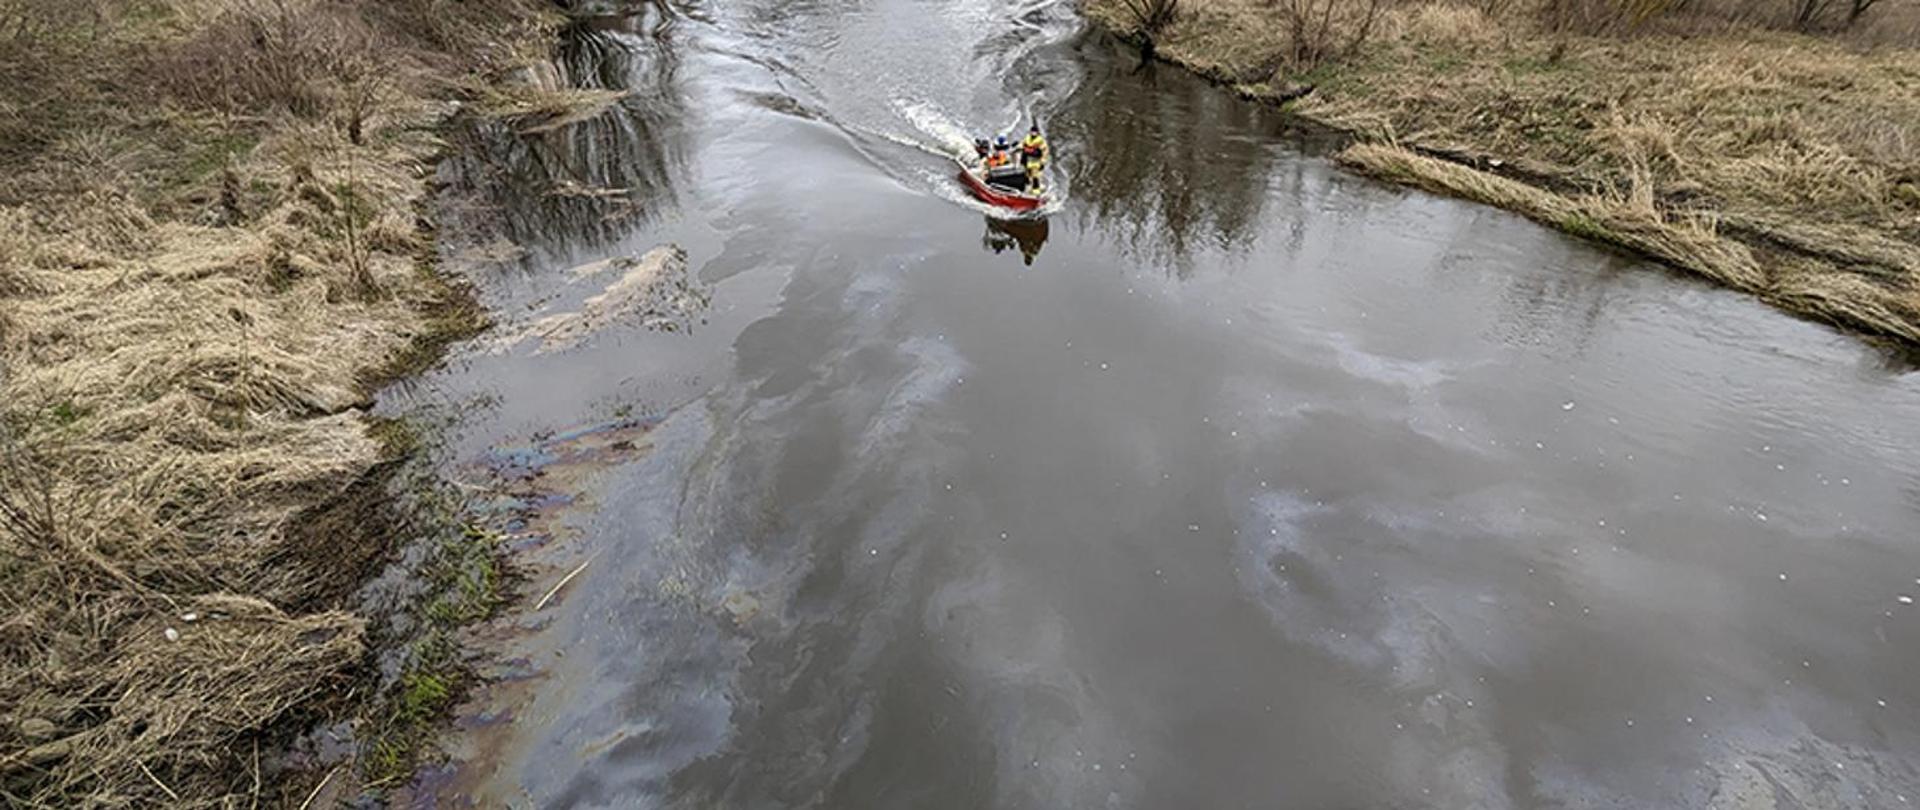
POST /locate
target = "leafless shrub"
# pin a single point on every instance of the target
(1614, 17)
(1150, 18)
(1322, 30)
(1811, 15)
(302, 57)
(1857, 9)
(43, 57)
(24, 22)
(472, 30)
(31, 23)
(1153, 16)
(1806, 13)
(354, 214)
(1601, 17)
(28, 516)
(344, 207)
(362, 93)
(1495, 9)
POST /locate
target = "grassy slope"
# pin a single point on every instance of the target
(1797, 156)
(202, 275)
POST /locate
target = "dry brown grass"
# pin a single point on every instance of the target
(1241, 40)
(1627, 219)
(1802, 150)
(208, 248)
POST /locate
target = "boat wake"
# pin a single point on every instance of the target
(938, 134)
(909, 116)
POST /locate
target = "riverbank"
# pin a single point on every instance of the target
(1781, 164)
(214, 247)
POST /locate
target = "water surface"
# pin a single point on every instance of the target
(1236, 482)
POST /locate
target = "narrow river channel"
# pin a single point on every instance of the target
(1236, 481)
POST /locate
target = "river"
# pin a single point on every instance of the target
(1235, 481)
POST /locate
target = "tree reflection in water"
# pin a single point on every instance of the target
(1164, 173)
(584, 183)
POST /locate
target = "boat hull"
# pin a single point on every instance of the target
(997, 196)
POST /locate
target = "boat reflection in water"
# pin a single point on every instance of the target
(1027, 234)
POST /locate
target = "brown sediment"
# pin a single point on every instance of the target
(653, 290)
(1780, 164)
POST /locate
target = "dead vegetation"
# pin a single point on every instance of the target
(1322, 30)
(1626, 218)
(210, 245)
(653, 290)
(1721, 121)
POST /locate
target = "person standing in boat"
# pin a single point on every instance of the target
(1033, 148)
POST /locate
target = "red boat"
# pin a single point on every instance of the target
(1006, 191)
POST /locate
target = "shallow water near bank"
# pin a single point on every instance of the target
(1236, 482)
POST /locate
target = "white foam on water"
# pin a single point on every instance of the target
(939, 128)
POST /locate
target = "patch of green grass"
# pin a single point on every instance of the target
(463, 580)
(390, 758)
(433, 680)
(398, 438)
(466, 580)
(1538, 63)
(1325, 72)
(1585, 227)
(67, 413)
(424, 693)
(206, 158)
(1444, 61)
(1909, 193)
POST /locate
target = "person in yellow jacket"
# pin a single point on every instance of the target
(1034, 186)
(1033, 148)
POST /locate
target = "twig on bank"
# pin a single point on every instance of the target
(254, 797)
(561, 584)
(317, 788)
(156, 780)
